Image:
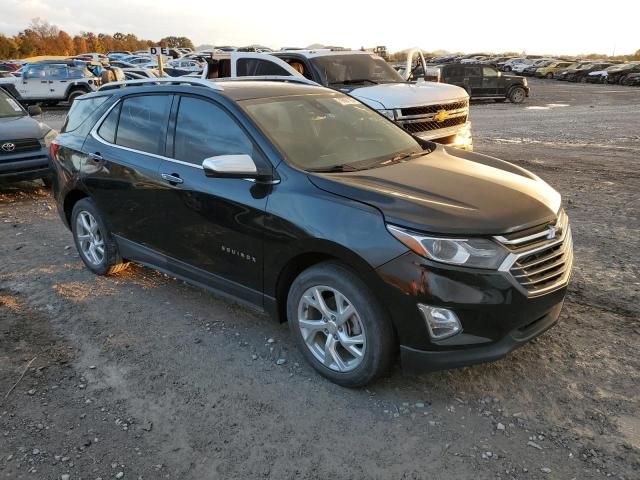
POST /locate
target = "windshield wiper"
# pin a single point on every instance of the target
(334, 169)
(355, 81)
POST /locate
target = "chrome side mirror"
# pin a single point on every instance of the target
(230, 166)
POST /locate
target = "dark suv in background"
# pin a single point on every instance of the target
(303, 202)
(483, 81)
(24, 142)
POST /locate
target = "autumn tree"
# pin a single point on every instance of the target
(8, 47)
(80, 45)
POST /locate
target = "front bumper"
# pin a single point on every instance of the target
(495, 315)
(458, 136)
(414, 360)
(24, 166)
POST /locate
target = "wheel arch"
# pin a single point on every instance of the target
(70, 199)
(81, 87)
(318, 252)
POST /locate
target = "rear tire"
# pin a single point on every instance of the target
(549, 76)
(93, 240)
(73, 95)
(517, 95)
(346, 336)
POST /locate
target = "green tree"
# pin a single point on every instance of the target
(174, 42)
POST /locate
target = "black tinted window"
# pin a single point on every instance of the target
(143, 123)
(80, 110)
(253, 66)
(204, 130)
(108, 128)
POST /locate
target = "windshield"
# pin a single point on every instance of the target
(330, 132)
(355, 69)
(9, 107)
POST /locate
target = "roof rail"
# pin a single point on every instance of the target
(269, 78)
(161, 81)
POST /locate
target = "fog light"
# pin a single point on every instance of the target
(441, 322)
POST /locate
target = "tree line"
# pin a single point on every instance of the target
(43, 38)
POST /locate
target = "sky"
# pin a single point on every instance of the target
(534, 26)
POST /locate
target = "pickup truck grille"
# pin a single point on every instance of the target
(19, 146)
(434, 117)
(541, 257)
(426, 109)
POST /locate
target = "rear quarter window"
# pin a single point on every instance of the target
(80, 111)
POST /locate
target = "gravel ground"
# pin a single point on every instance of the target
(141, 376)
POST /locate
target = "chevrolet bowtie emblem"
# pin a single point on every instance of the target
(441, 116)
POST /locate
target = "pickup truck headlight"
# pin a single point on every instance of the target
(525, 82)
(48, 138)
(467, 252)
(390, 114)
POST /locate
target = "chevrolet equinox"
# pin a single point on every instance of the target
(309, 205)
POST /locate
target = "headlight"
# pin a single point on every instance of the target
(390, 114)
(467, 252)
(48, 138)
(525, 82)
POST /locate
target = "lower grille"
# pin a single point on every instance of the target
(433, 125)
(539, 264)
(10, 147)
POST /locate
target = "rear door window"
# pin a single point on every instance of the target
(255, 66)
(204, 130)
(142, 123)
(80, 110)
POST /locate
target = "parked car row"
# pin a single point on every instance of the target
(592, 71)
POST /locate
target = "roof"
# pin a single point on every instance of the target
(324, 52)
(245, 90)
(236, 90)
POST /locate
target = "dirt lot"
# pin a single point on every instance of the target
(142, 376)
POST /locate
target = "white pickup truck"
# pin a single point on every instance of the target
(429, 110)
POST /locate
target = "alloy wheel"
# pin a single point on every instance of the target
(90, 238)
(331, 328)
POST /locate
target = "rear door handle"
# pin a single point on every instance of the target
(171, 178)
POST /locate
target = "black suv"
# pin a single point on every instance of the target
(305, 203)
(483, 81)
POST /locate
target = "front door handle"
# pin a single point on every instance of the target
(172, 178)
(96, 157)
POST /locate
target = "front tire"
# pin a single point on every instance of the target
(93, 240)
(339, 326)
(549, 76)
(517, 95)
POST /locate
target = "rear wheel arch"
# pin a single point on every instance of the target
(70, 199)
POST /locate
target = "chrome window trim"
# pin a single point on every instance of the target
(94, 133)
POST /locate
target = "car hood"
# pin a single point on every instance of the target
(450, 191)
(15, 128)
(402, 95)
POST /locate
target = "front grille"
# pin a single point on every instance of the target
(540, 262)
(20, 146)
(434, 117)
(425, 109)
